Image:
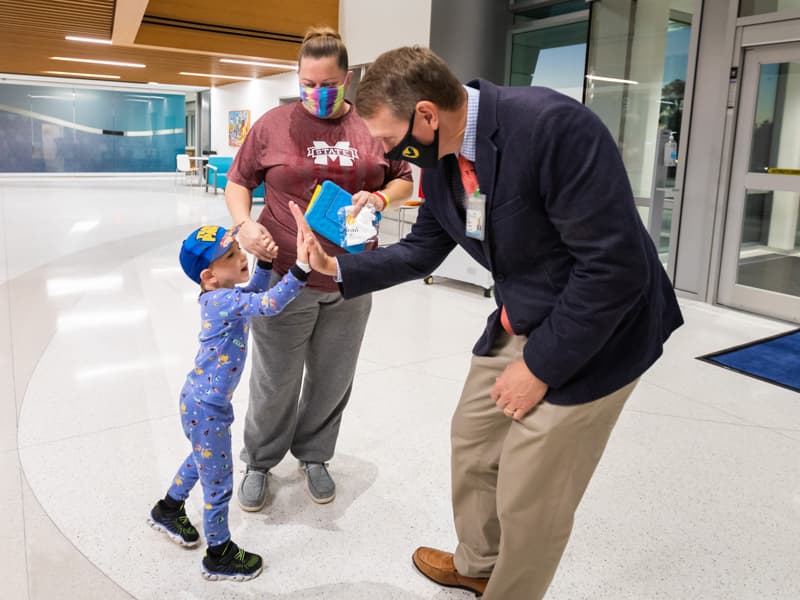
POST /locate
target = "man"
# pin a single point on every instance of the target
(531, 185)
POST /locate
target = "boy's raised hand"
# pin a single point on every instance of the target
(320, 261)
(302, 246)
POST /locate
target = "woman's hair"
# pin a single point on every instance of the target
(400, 78)
(321, 42)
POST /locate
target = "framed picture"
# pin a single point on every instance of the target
(238, 126)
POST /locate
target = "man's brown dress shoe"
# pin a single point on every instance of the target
(438, 566)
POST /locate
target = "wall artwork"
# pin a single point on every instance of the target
(238, 126)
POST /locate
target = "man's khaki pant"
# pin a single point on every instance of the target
(516, 485)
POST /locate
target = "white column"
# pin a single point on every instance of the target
(371, 27)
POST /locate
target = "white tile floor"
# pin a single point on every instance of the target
(698, 495)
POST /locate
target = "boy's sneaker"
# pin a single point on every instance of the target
(175, 524)
(235, 564)
(253, 490)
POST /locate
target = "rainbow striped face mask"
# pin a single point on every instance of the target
(322, 101)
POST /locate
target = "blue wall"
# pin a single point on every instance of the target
(46, 129)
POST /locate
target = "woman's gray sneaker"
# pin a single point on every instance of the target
(320, 484)
(253, 490)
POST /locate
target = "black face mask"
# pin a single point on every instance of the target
(411, 150)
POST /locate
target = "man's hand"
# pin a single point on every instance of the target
(319, 259)
(517, 391)
(255, 238)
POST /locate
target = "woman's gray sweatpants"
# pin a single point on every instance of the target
(322, 332)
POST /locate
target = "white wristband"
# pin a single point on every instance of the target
(305, 267)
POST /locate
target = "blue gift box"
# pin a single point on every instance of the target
(322, 213)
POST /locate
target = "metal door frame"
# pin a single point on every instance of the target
(729, 292)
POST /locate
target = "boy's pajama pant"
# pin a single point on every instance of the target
(208, 428)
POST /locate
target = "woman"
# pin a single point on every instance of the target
(292, 148)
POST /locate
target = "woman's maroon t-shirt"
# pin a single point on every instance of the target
(292, 152)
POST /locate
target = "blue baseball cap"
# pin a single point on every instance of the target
(203, 246)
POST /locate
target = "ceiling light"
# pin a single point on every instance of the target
(212, 76)
(53, 97)
(69, 73)
(99, 62)
(611, 79)
(75, 38)
(258, 64)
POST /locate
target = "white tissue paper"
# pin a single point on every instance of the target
(361, 228)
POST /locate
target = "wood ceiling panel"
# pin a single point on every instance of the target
(90, 18)
(282, 16)
(268, 28)
(163, 66)
(167, 36)
(32, 32)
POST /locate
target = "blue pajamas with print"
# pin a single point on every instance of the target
(205, 404)
(208, 428)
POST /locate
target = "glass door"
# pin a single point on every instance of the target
(761, 249)
(547, 47)
(637, 77)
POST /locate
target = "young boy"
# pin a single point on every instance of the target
(211, 256)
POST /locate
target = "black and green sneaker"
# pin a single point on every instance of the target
(175, 524)
(233, 564)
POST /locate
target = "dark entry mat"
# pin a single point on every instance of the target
(774, 359)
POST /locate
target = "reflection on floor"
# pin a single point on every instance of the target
(697, 496)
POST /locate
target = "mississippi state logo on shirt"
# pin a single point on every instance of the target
(322, 153)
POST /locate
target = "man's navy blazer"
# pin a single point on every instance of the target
(571, 259)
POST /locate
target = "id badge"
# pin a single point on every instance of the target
(476, 216)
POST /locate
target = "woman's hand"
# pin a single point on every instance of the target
(320, 261)
(362, 198)
(255, 238)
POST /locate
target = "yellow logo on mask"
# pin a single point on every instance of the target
(410, 152)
